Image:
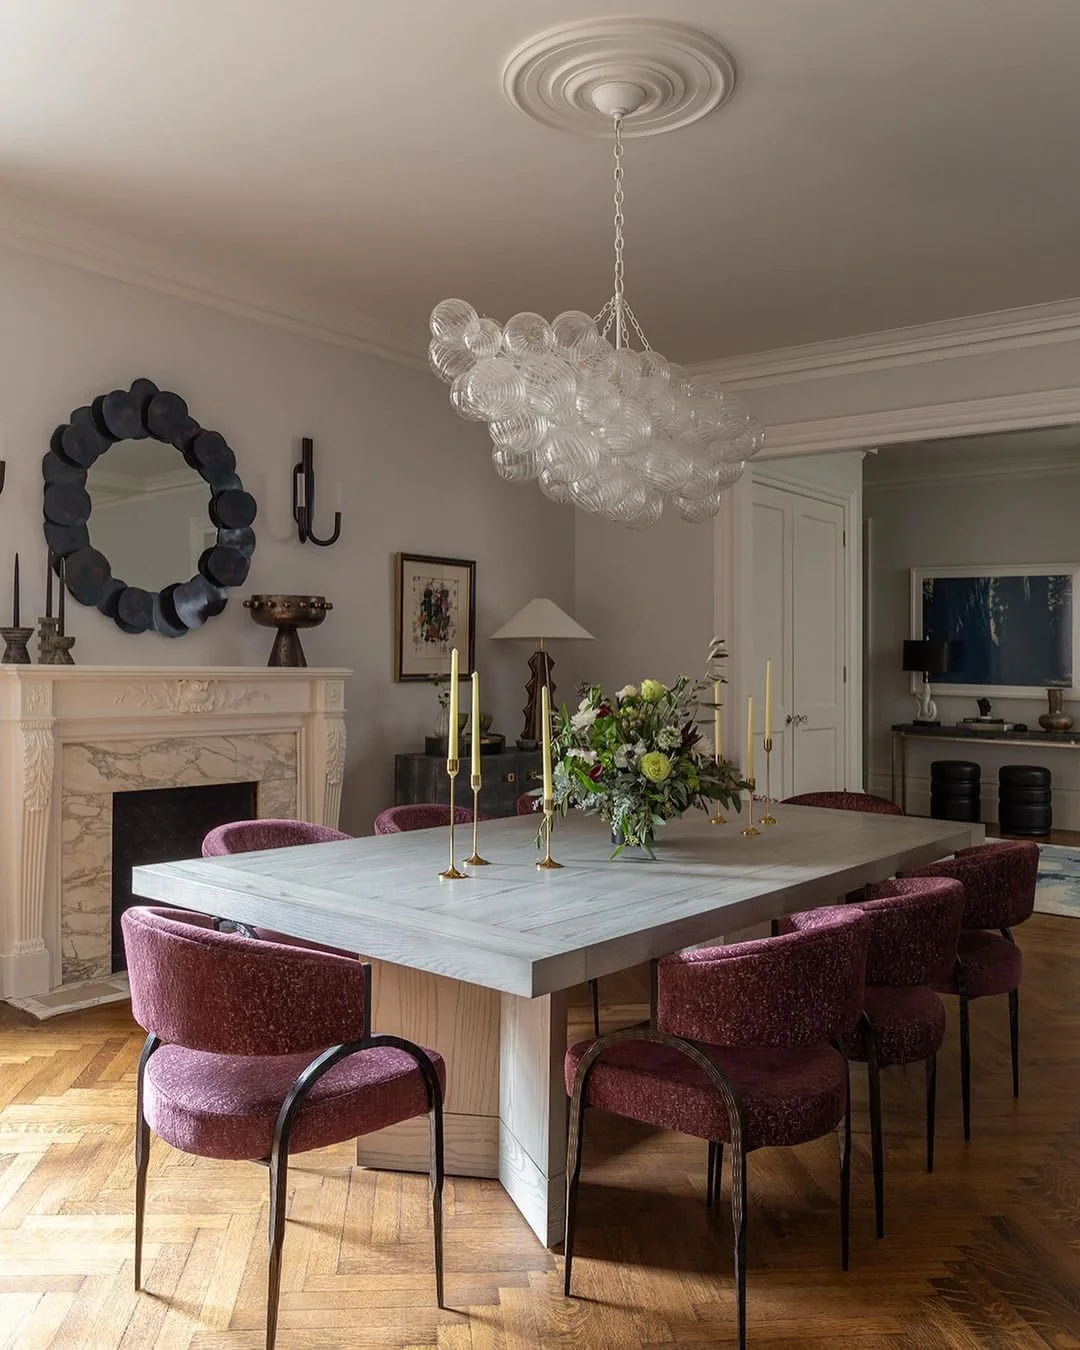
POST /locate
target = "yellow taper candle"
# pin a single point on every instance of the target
(474, 723)
(748, 767)
(768, 700)
(717, 729)
(545, 733)
(452, 742)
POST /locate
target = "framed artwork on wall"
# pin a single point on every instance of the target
(435, 610)
(1016, 625)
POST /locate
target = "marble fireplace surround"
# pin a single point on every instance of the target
(72, 736)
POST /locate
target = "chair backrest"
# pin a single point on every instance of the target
(527, 803)
(248, 836)
(422, 816)
(846, 801)
(999, 881)
(797, 989)
(234, 995)
(915, 927)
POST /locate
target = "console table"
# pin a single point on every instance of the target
(902, 732)
(422, 778)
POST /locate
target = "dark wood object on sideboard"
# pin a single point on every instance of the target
(422, 778)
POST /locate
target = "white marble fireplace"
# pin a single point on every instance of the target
(73, 736)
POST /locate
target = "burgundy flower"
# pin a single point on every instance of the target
(596, 772)
(604, 710)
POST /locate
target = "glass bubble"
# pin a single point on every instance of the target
(586, 493)
(575, 334)
(624, 433)
(573, 448)
(649, 513)
(626, 374)
(524, 431)
(729, 472)
(555, 489)
(461, 399)
(450, 319)
(496, 388)
(678, 376)
(528, 334)
(665, 466)
(664, 412)
(597, 399)
(549, 382)
(483, 338)
(599, 360)
(449, 361)
(704, 479)
(655, 368)
(515, 467)
(697, 510)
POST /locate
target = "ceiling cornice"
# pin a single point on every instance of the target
(1004, 330)
(48, 234)
(948, 471)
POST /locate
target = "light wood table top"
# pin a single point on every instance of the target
(512, 928)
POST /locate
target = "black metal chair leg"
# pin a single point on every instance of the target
(931, 1108)
(438, 1175)
(877, 1142)
(845, 1177)
(738, 1225)
(574, 1141)
(279, 1175)
(965, 1064)
(714, 1179)
(142, 1155)
(1014, 1037)
(594, 989)
(710, 1172)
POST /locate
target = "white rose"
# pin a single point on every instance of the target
(627, 691)
(583, 720)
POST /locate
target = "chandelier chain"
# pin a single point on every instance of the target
(620, 220)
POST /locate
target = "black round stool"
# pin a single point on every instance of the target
(1024, 799)
(954, 789)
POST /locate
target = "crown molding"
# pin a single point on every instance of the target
(1003, 330)
(49, 234)
(1028, 467)
(969, 417)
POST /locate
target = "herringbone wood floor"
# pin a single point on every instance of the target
(985, 1253)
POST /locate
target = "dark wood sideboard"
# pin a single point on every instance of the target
(422, 778)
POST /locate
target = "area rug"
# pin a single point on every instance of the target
(1058, 891)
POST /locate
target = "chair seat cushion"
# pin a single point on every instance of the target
(909, 1024)
(787, 1096)
(992, 964)
(225, 1106)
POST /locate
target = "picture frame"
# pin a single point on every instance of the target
(434, 611)
(1019, 625)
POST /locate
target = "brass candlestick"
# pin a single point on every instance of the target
(716, 818)
(768, 818)
(476, 860)
(451, 873)
(549, 812)
(751, 828)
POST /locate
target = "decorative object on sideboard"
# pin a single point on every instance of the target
(612, 430)
(54, 645)
(539, 621)
(434, 611)
(927, 657)
(16, 638)
(303, 498)
(1055, 718)
(985, 720)
(287, 613)
(145, 413)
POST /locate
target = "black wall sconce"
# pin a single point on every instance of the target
(3, 471)
(303, 498)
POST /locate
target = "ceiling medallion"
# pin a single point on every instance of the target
(613, 429)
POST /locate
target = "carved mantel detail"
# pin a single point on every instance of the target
(189, 696)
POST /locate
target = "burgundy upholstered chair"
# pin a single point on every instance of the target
(999, 892)
(743, 1053)
(256, 1050)
(249, 836)
(422, 816)
(846, 801)
(527, 804)
(915, 927)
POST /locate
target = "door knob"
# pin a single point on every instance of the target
(789, 720)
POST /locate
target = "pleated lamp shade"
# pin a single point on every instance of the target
(541, 619)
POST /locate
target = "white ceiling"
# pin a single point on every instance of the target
(882, 162)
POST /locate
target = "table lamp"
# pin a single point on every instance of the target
(931, 656)
(540, 620)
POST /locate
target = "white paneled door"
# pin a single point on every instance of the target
(799, 624)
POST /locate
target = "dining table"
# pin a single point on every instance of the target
(480, 968)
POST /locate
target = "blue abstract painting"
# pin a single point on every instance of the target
(1014, 630)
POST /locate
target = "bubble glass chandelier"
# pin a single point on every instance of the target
(613, 428)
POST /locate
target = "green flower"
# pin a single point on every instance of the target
(652, 691)
(655, 765)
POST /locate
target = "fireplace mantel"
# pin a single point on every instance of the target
(71, 736)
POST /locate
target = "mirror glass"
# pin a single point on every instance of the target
(150, 513)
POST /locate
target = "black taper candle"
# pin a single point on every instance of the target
(48, 585)
(62, 579)
(15, 596)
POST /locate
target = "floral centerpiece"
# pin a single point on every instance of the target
(636, 759)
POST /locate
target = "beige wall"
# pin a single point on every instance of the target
(413, 477)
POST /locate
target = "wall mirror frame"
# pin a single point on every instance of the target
(145, 412)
